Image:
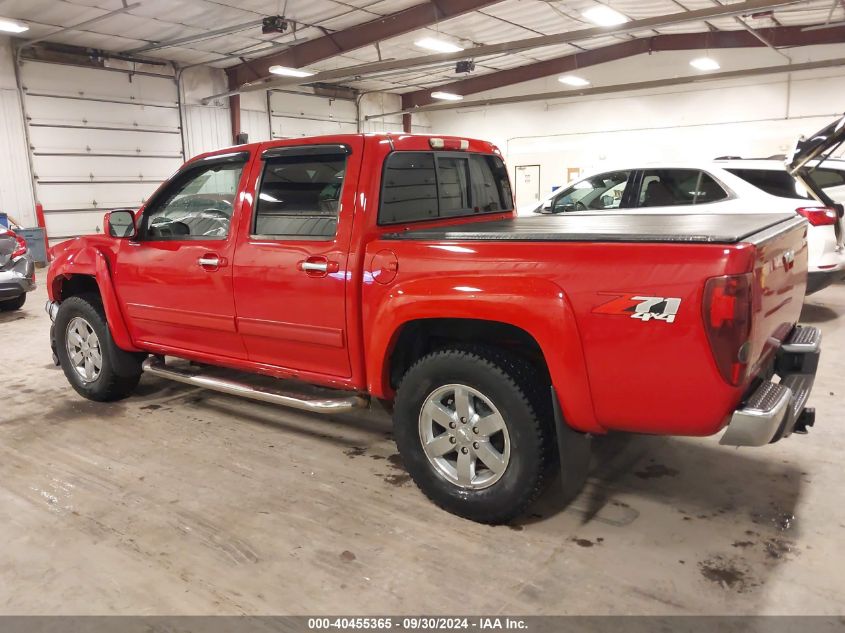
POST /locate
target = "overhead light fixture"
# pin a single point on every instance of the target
(446, 96)
(438, 45)
(573, 80)
(603, 15)
(9, 26)
(705, 63)
(290, 72)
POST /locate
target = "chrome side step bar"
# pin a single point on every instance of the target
(157, 367)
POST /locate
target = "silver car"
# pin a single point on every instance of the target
(17, 270)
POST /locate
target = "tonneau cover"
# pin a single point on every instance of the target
(607, 227)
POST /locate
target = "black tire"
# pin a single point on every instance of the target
(515, 389)
(120, 371)
(13, 304)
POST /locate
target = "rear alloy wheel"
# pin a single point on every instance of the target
(464, 437)
(474, 432)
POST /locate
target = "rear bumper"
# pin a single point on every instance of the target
(774, 410)
(18, 279)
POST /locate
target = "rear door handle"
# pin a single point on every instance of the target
(317, 266)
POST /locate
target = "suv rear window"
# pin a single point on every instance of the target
(773, 182)
(779, 183)
(428, 185)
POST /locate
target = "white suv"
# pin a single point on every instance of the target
(721, 186)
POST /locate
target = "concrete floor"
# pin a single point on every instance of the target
(181, 501)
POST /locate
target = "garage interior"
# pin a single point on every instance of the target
(183, 501)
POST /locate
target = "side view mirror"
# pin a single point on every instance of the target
(546, 207)
(120, 223)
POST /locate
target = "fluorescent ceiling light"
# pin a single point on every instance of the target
(573, 80)
(12, 27)
(290, 72)
(447, 96)
(604, 16)
(705, 63)
(438, 45)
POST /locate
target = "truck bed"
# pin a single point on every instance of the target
(709, 228)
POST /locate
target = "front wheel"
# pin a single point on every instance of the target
(473, 433)
(95, 367)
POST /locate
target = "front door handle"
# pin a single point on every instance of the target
(317, 266)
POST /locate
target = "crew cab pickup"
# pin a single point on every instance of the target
(393, 268)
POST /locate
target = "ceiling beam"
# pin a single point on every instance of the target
(782, 36)
(603, 90)
(299, 55)
(362, 70)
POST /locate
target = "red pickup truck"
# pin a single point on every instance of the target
(393, 268)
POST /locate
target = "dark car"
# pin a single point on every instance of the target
(17, 270)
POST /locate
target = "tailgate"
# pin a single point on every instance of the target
(780, 279)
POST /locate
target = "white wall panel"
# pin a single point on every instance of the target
(79, 111)
(96, 83)
(86, 141)
(100, 139)
(256, 124)
(15, 178)
(295, 115)
(16, 197)
(207, 128)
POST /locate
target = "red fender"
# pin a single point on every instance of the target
(92, 261)
(548, 318)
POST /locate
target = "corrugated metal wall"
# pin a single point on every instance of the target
(100, 139)
(16, 197)
(296, 114)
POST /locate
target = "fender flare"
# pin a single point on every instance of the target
(92, 262)
(543, 312)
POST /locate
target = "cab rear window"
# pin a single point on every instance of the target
(420, 186)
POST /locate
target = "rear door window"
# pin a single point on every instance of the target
(300, 194)
(673, 187)
(428, 185)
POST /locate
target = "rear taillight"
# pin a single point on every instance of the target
(818, 216)
(727, 321)
(20, 249)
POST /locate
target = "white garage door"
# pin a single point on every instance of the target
(100, 140)
(294, 115)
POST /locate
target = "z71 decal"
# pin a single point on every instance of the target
(641, 307)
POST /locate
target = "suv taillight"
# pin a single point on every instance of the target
(727, 321)
(818, 216)
(20, 249)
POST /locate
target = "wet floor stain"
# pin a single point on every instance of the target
(656, 471)
(726, 573)
(399, 478)
(583, 542)
(151, 407)
(516, 528)
(347, 556)
(743, 544)
(777, 549)
(781, 521)
(355, 451)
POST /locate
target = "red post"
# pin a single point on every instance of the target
(42, 223)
